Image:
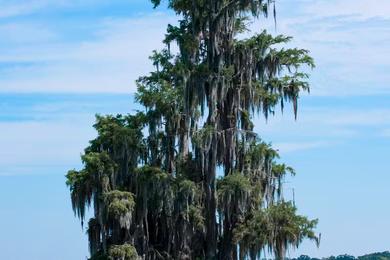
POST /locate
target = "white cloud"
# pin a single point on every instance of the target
(362, 8)
(347, 39)
(14, 8)
(110, 63)
(323, 127)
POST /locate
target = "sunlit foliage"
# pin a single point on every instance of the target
(151, 178)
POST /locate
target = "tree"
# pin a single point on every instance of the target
(376, 256)
(160, 195)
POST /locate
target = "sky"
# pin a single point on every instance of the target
(63, 61)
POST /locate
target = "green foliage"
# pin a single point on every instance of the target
(253, 234)
(151, 178)
(98, 164)
(196, 217)
(277, 226)
(122, 252)
(233, 184)
(120, 206)
(374, 256)
(81, 187)
(289, 228)
(93, 178)
(150, 175)
(234, 187)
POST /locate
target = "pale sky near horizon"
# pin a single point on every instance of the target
(62, 61)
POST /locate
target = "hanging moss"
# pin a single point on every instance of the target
(234, 183)
(187, 200)
(151, 178)
(288, 228)
(81, 189)
(252, 235)
(93, 232)
(233, 193)
(196, 217)
(147, 174)
(120, 206)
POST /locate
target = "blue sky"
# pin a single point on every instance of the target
(62, 61)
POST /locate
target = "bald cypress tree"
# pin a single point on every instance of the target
(188, 178)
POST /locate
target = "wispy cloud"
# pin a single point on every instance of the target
(45, 134)
(15, 8)
(324, 127)
(110, 62)
(361, 8)
(347, 39)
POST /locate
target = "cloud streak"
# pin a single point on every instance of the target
(361, 8)
(341, 36)
(348, 40)
(110, 63)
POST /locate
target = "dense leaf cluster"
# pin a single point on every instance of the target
(187, 178)
(374, 256)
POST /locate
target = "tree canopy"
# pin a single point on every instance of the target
(374, 256)
(187, 177)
